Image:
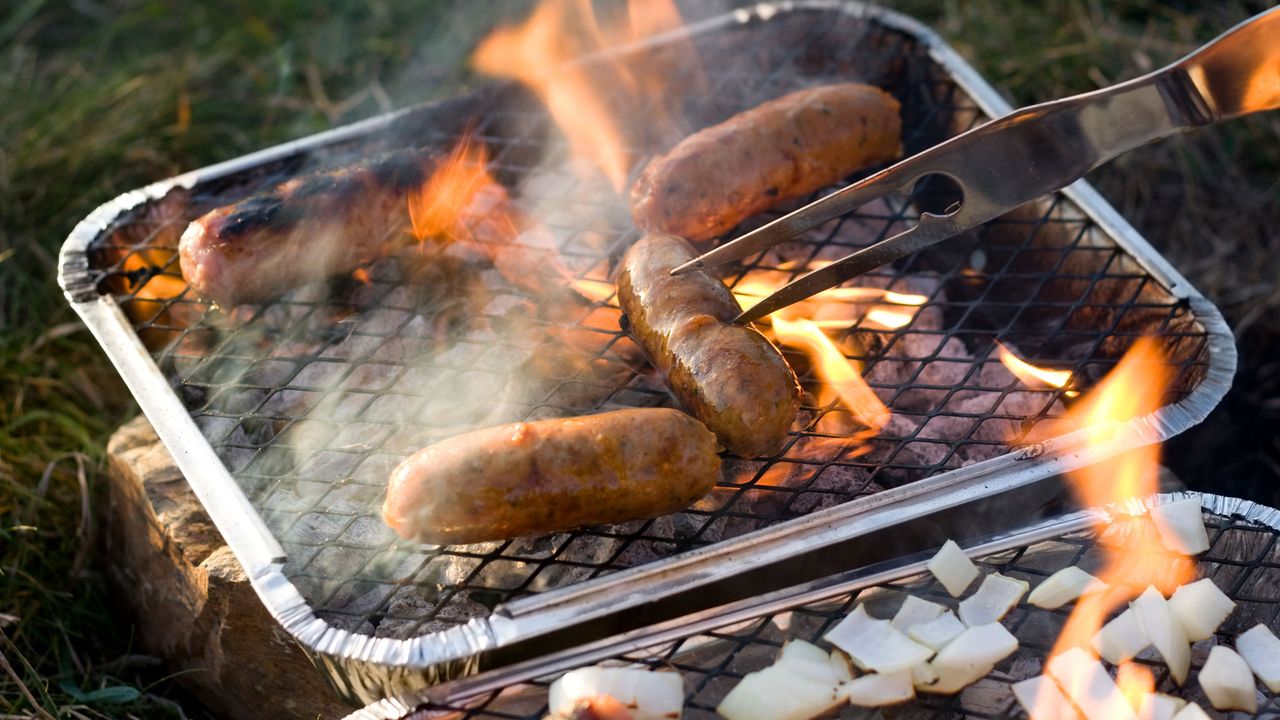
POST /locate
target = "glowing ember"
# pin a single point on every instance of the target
(361, 275)
(589, 106)
(836, 371)
(1033, 374)
(437, 209)
(1133, 389)
(144, 263)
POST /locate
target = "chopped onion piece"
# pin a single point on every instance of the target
(1227, 681)
(1043, 700)
(952, 680)
(915, 611)
(1200, 607)
(839, 662)
(1164, 631)
(647, 694)
(1191, 712)
(982, 645)
(1121, 639)
(1064, 586)
(969, 657)
(937, 632)
(953, 568)
(994, 598)
(881, 689)
(804, 683)
(876, 644)
(1158, 706)
(923, 675)
(1181, 526)
(1261, 649)
(801, 651)
(781, 692)
(1085, 682)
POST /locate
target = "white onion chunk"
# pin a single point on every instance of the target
(954, 570)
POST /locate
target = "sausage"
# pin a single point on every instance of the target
(789, 146)
(551, 475)
(308, 228)
(728, 376)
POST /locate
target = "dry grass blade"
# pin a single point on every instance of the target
(17, 681)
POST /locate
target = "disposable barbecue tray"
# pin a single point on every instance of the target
(286, 417)
(713, 649)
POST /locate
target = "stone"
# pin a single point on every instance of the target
(191, 601)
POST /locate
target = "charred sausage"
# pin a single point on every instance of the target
(728, 376)
(308, 228)
(789, 146)
(551, 475)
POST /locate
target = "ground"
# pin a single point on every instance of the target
(99, 96)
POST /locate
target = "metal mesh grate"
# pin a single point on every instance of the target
(1243, 560)
(312, 399)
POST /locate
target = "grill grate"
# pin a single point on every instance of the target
(311, 399)
(1242, 561)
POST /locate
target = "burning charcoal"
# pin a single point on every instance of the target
(588, 548)
(406, 611)
(643, 551)
(916, 360)
(351, 623)
(904, 455)
(848, 481)
(549, 575)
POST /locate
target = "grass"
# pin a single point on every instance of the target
(100, 96)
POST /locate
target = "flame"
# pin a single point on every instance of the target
(588, 103)
(751, 291)
(1136, 558)
(594, 290)
(1033, 374)
(802, 325)
(439, 207)
(1135, 681)
(890, 319)
(836, 371)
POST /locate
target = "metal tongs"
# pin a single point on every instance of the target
(1031, 152)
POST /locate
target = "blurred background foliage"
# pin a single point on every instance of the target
(101, 96)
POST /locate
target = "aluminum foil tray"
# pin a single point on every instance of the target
(286, 417)
(713, 649)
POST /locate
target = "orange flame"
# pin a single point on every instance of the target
(439, 207)
(839, 373)
(1135, 682)
(801, 325)
(1034, 374)
(1133, 389)
(890, 319)
(589, 104)
(751, 290)
(594, 290)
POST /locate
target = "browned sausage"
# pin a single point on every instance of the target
(728, 376)
(308, 228)
(789, 146)
(551, 475)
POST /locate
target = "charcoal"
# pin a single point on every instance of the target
(405, 613)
